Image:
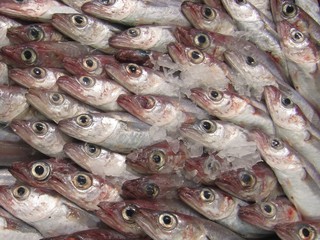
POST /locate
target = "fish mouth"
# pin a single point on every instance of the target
(18, 76)
(134, 161)
(198, 95)
(91, 7)
(227, 182)
(283, 231)
(14, 33)
(145, 219)
(17, 125)
(190, 10)
(134, 104)
(176, 51)
(114, 71)
(250, 215)
(70, 85)
(182, 35)
(17, 170)
(121, 41)
(73, 66)
(186, 194)
(127, 191)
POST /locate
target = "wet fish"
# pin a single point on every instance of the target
(76, 4)
(4, 79)
(298, 230)
(99, 92)
(5, 24)
(34, 33)
(6, 177)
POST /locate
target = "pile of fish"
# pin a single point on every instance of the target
(158, 119)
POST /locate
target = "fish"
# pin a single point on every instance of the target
(99, 92)
(86, 30)
(34, 33)
(43, 136)
(41, 10)
(37, 77)
(6, 24)
(118, 131)
(6, 177)
(76, 4)
(4, 79)
(43, 54)
(298, 230)
(129, 12)
(48, 212)
(268, 214)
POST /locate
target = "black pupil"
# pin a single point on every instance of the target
(246, 178)
(89, 63)
(56, 97)
(21, 191)
(132, 68)
(297, 35)
(214, 94)
(206, 125)
(150, 189)
(195, 55)
(305, 232)
(81, 180)
(39, 127)
(92, 148)
(34, 32)
(83, 119)
(289, 9)
(78, 19)
(39, 170)
(167, 220)
(37, 71)
(156, 158)
(130, 212)
(86, 80)
(202, 39)
(250, 60)
(240, 1)
(133, 32)
(286, 101)
(267, 208)
(275, 143)
(207, 12)
(206, 194)
(27, 54)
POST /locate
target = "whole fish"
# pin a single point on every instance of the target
(55, 105)
(6, 24)
(117, 131)
(86, 30)
(42, 135)
(164, 225)
(40, 10)
(13, 228)
(37, 77)
(34, 33)
(99, 92)
(98, 160)
(298, 230)
(137, 12)
(48, 212)
(267, 215)
(160, 158)
(146, 37)
(43, 54)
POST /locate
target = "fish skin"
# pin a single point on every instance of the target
(34, 33)
(40, 10)
(99, 92)
(142, 80)
(47, 211)
(172, 158)
(233, 107)
(282, 211)
(146, 37)
(292, 231)
(216, 21)
(135, 12)
(14, 229)
(6, 23)
(262, 184)
(119, 131)
(6, 178)
(98, 160)
(43, 54)
(76, 4)
(86, 30)
(46, 138)
(55, 105)
(184, 226)
(37, 77)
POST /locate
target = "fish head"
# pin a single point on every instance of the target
(284, 9)
(143, 188)
(193, 37)
(298, 230)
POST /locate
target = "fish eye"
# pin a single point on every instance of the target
(19, 1)
(40, 128)
(21, 192)
(107, 2)
(297, 36)
(40, 171)
(208, 13)
(29, 56)
(35, 33)
(195, 56)
(167, 221)
(207, 195)
(87, 81)
(90, 64)
(133, 32)
(79, 20)
(286, 102)
(241, 2)
(289, 10)
(134, 70)
(157, 160)
(92, 150)
(216, 95)
(307, 232)
(247, 179)
(208, 126)
(152, 190)
(38, 72)
(56, 98)
(268, 209)
(251, 61)
(276, 144)
(84, 120)
(82, 181)
(147, 102)
(128, 212)
(201, 40)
